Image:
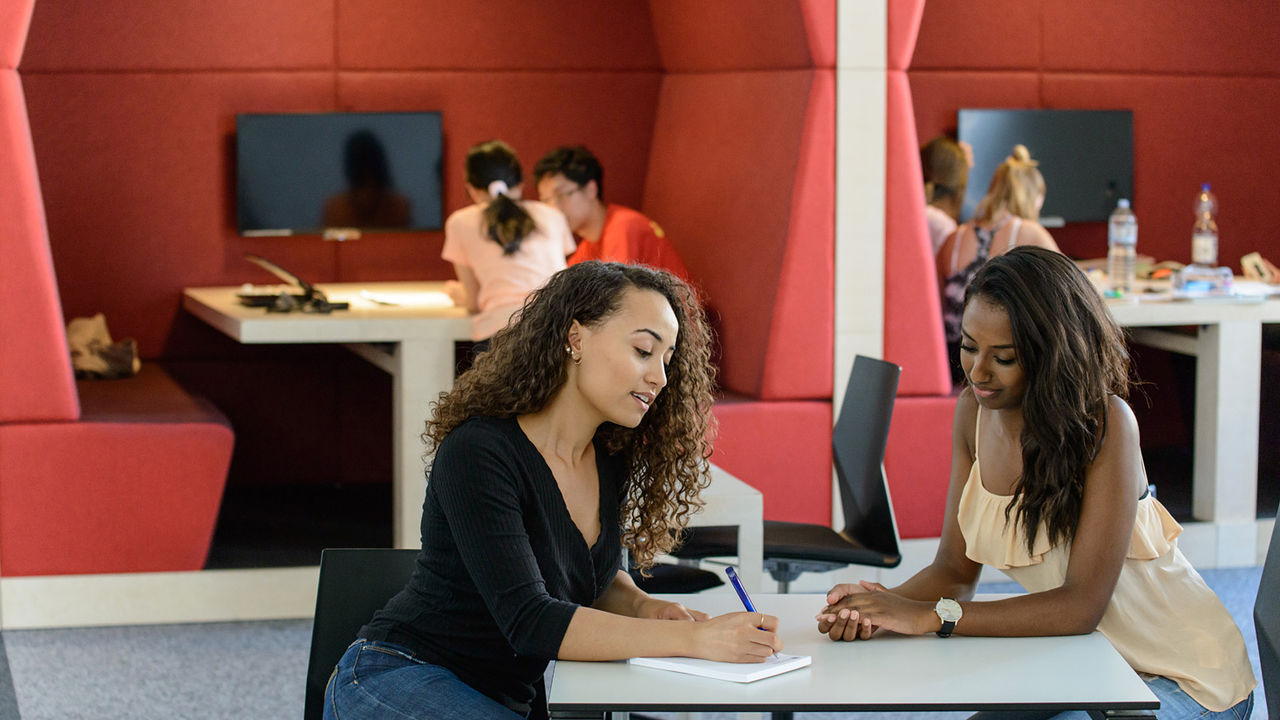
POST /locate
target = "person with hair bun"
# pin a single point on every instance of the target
(502, 247)
(945, 164)
(584, 429)
(1005, 218)
(1048, 486)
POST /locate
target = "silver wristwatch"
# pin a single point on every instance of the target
(949, 611)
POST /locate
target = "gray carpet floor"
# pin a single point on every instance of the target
(257, 670)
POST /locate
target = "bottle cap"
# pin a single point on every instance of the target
(1122, 202)
(1204, 187)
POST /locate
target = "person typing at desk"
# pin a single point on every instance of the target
(583, 429)
(1048, 485)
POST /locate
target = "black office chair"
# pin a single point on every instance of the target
(1266, 623)
(870, 534)
(667, 578)
(354, 584)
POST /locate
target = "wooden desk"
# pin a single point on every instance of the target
(1228, 349)
(889, 673)
(412, 342)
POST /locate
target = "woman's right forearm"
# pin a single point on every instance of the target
(599, 635)
(934, 582)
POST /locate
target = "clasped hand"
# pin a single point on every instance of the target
(855, 611)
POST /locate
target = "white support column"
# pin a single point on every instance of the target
(422, 369)
(1225, 490)
(862, 49)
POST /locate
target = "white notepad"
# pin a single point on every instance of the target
(733, 672)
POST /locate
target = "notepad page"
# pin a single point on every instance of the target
(733, 672)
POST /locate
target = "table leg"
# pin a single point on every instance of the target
(421, 370)
(1225, 475)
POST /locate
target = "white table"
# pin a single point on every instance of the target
(1228, 350)
(414, 343)
(887, 673)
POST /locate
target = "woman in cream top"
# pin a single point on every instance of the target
(1047, 484)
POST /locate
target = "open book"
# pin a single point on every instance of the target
(733, 672)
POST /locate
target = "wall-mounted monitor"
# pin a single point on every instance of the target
(1086, 157)
(338, 174)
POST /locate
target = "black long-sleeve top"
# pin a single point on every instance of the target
(503, 567)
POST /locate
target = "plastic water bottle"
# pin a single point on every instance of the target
(1122, 242)
(1204, 234)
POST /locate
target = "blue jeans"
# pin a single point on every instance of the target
(1174, 705)
(383, 680)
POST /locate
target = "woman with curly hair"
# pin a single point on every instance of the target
(1047, 485)
(583, 430)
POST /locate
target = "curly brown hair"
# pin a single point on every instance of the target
(526, 364)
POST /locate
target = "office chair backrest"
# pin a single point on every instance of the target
(858, 443)
(354, 584)
(1266, 622)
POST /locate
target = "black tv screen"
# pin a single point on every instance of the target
(1086, 157)
(325, 172)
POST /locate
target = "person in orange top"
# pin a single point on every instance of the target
(571, 179)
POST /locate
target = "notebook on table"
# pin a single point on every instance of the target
(733, 672)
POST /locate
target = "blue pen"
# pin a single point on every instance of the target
(742, 592)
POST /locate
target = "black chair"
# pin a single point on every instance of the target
(667, 578)
(354, 584)
(1266, 623)
(870, 534)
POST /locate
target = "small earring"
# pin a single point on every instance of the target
(577, 359)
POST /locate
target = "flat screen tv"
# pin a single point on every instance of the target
(338, 174)
(1086, 157)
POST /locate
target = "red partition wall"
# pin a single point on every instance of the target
(741, 176)
(1202, 79)
(132, 108)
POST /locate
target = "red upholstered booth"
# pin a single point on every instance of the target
(117, 476)
(741, 176)
(918, 456)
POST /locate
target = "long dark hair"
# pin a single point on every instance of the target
(505, 219)
(1074, 358)
(526, 364)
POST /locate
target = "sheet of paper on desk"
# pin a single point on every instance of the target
(733, 672)
(409, 299)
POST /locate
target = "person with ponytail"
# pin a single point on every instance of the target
(1048, 486)
(1005, 218)
(502, 247)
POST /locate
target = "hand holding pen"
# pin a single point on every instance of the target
(746, 599)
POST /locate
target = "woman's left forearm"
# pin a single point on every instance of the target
(623, 597)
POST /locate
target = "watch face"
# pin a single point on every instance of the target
(948, 610)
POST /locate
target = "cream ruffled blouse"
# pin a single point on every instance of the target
(1162, 617)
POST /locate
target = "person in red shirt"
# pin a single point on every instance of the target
(571, 179)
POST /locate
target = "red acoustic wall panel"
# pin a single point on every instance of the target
(735, 154)
(938, 94)
(179, 35)
(799, 362)
(750, 35)
(139, 193)
(31, 387)
(1225, 37)
(980, 34)
(912, 307)
(495, 35)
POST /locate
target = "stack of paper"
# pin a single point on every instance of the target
(733, 672)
